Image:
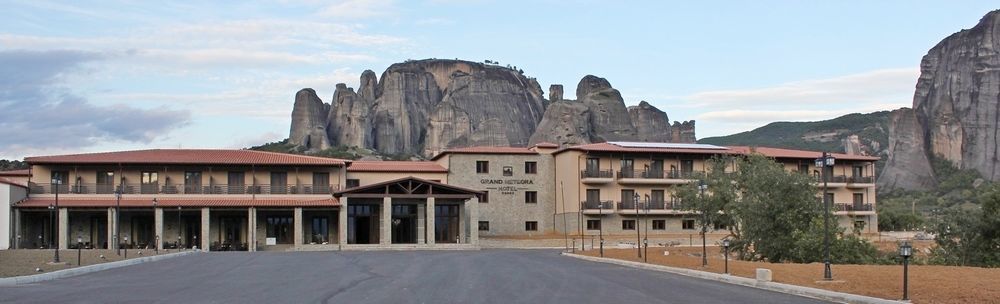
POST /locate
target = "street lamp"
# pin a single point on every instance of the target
(704, 226)
(79, 249)
(156, 247)
(118, 222)
(905, 251)
(725, 245)
(826, 160)
(52, 234)
(178, 227)
(600, 225)
(126, 247)
(56, 182)
(645, 240)
(638, 248)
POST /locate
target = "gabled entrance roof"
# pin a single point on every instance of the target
(408, 187)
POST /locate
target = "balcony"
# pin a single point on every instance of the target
(853, 208)
(655, 207)
(596, 176)
(215, 189)
(598, 207)
(861, 181)
(833, 181)
(647, 177)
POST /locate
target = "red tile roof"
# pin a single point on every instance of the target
(396, 166)
(803, 154)
(606, 147)
(486, 150)
(22, 172)
(188, 156)
(12, 183)
(182, 202)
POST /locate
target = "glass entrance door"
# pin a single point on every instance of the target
(280, 228)
(404, 224)
(446, 223)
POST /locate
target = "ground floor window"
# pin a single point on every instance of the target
(628, 224)
(659, 224)
(531, 226)
(593, 224)
(484, 226)
(446, 223)
(687, 224)
(859, 225)
(280, 228)
(320, 230)
(720, 226)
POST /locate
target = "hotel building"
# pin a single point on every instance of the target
(252, 200)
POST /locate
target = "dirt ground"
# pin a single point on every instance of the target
(24, 261)
(928, 284)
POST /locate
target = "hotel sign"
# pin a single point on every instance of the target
(506, 186)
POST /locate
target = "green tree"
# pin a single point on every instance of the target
(970, 236)
(709, 204)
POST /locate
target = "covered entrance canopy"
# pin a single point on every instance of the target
(409, 210)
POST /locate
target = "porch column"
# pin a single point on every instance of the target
(111, 228)
(252, 229)
(18, 231)
(430, 221)
(473, 207)
(158, 224)
(297, 227)
(205, 229)
(385, 237)
(63, 228)
(421, 219)
(342, 224)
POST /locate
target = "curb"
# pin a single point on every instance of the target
(809, 292)
(65, 273)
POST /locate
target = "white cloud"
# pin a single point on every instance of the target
(872, 86)
(359, 9)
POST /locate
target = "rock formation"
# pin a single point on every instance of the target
(956, 106)
(423, 107)
(908, 166)
(309, 121)
(651, 124)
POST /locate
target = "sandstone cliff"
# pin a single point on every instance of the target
(908, 166)
(423, 107)
(956, 104)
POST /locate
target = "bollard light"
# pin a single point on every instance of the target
(79, 249)
(725, 246)
(906, 251)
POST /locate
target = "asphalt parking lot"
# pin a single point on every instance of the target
(487, 276)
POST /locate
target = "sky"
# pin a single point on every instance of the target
(79, 77)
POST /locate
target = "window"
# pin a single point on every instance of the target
(687, 167)
(859, 199)
(531, 226)
(484, 226)
(858, 171)
(659, 224)
(60, 181)
(593, 224)
(279, 182)
(149, 182)
(627, 168)
(593, 165)
(804, 168)
(236, 181)
(530, 197)
(628, 198)
(321, 183)
(687, 224)
(655, 169)
(320, 230)
(485, 197)
(192, 182)
(105, 182)
(530, 167)
(859, 225)
(353, 182)
(482, 166)
(829, 198)
(628, 224)
(720, 226)
(508, 171)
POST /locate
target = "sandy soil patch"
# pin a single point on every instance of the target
(24, 261)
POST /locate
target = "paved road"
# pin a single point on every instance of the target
(488, 276)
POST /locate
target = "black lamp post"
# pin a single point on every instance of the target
(79, 249)
(906, 251)
(704, 226)
(156, 247)
(600, 225)
(56, 184)
(645, 240)
(178, 227)
(725, 245)
(118, 222)
(126, 247)
(638, 238)
(826, 160)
